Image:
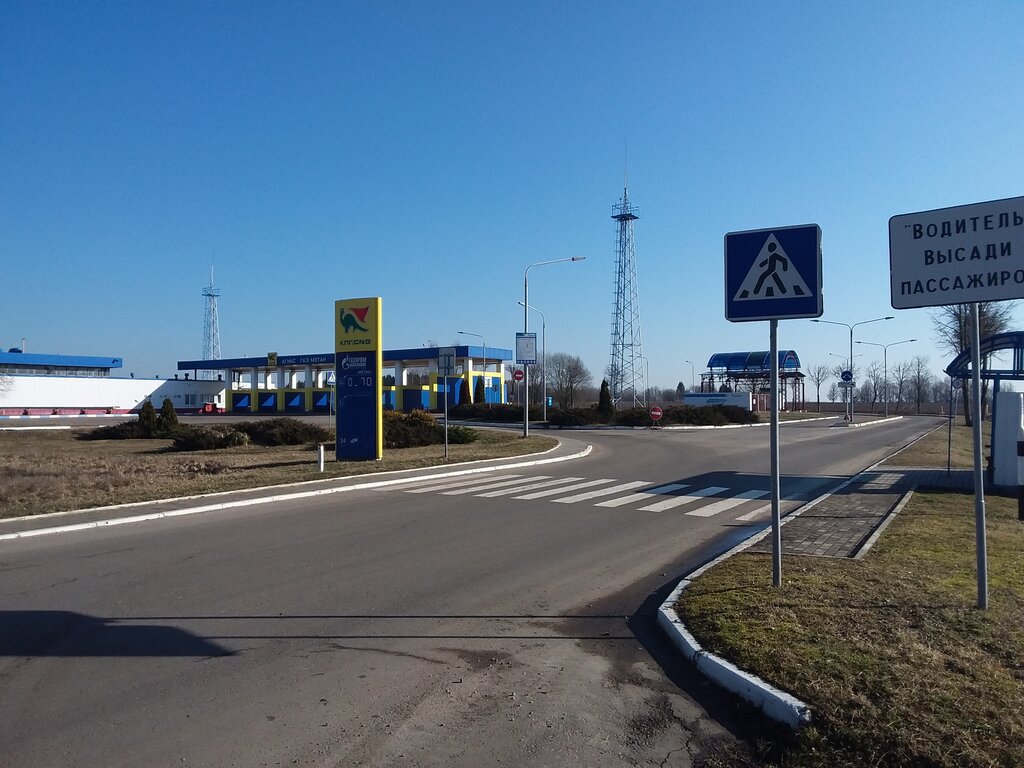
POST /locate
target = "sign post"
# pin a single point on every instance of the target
(526, 354)
(961, 255)
(446, 367)
(358, 353)
(656, 414)
(773, 274)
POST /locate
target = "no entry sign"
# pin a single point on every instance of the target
(656, 412)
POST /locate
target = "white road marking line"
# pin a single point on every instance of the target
(478, 486)
(600, 492)
(759, 512)
(563, 489)
(678, 501)
(645, 496)
(724, 504)
(528, 487)
(449, 483)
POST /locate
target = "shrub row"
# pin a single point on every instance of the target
(419, 428)
(687, 415)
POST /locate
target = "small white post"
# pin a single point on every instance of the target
(320, 457)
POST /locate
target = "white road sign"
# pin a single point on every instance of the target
(957, 255)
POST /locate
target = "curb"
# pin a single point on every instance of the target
(262, 499)
(870, 423)
(773, 702)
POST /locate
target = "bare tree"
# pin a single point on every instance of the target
(900, 374)
(833, 393)
(920, 381)
(818, 374)
(874, 383)
(567, 375)
(952, 326)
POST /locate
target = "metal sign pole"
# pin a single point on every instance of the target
(979, 478)
(774, 440)
(445, 379)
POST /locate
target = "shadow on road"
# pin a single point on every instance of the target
(67, 633)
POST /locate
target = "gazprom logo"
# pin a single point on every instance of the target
(353, 318)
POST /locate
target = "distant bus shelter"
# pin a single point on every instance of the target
(751, 372)
(992, 349)
(305, 383)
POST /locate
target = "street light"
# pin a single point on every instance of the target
(526, 329)
(851, 327)
(885, 365)
(544, 359)
(693, 375)
(484, 343)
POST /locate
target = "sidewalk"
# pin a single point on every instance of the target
(840, 524)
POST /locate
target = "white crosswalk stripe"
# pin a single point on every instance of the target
(529, 487)
(725, 504)
(600, 492)
(645, 496)
(763, 511)
(482, 486)
(449, 483)
(677, 501)
(703, 502)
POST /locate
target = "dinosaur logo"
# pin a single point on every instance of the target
(353, 319)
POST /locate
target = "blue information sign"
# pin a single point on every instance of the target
(773, 274)
(357, 399)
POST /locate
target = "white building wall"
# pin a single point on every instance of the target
(73, 394)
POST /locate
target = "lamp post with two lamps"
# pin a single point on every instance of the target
(526, 329)
(484, 344)
(851, 327)
(885, 365)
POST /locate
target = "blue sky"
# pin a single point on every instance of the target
(428, 152)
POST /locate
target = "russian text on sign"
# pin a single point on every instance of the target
(929, 253)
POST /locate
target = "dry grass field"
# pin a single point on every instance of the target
(54, 470)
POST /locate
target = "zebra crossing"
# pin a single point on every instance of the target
(693, 499)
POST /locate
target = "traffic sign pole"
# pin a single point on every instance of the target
(774, 274)
(774, 442)
(981, 547)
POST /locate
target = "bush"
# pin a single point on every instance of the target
(167, 419)
(187, 438)
(419, 428)
(464, 392)
(605, 409)
(147, 418)
(573, 417)
(479, 396)
(126, 430)
(283, 431)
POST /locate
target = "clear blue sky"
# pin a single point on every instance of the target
(427, 152)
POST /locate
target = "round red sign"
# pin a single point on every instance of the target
(517, 374)
(656, 412)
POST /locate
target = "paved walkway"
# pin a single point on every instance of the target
(840, 524)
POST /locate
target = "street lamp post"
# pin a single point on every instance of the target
(693, 375)
(851, 327)
(484, 343)
(526, 329)
(885, 365)
(544, 360)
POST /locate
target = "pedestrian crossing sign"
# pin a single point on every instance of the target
(773, 274)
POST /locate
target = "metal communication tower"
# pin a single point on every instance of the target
(211, 327)
(625, 372)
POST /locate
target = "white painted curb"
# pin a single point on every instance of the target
(265, 499)
(776, 704)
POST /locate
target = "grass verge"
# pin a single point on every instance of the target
(52, 471)
(898, 665)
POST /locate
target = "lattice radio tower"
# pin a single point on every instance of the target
(211, 327)
(625, 372)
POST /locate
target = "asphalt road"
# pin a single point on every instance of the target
(429, 623)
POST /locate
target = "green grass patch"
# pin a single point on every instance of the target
(898, 665)
(49, 471)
